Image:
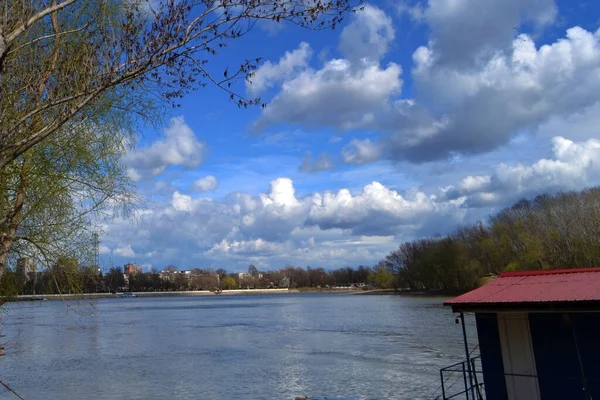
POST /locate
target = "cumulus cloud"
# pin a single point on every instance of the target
(180, 146)
(282, 194)
(574, 166)
(361, 152)
(328, 227)
(466, 31)
(368, 36)
(309, 164)
(181, 202)
(338, 95)
(335, 227)
(125, 251)
(415, 11)
(205, 184)
(485, 107)
(270, 73)
(366, 212)
(346, 93)
(581, 125)
(477, 81)
(251, 248)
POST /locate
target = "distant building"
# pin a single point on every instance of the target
(131, 269)
(244, 275)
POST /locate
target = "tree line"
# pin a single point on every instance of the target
(66, 277)
(549, 232)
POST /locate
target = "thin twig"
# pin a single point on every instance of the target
(11, 390)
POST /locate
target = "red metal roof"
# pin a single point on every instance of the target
(566, 287)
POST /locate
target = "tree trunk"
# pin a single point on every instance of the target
(6, 242)
(8, 229)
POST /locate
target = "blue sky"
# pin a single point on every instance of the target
(408, 120)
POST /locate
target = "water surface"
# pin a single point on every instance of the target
(229, 347)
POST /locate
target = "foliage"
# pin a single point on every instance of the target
(228, 283)
(51, 195)
(9, 284)
(114, 279)
(382, 278)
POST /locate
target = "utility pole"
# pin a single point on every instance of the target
(96, 240)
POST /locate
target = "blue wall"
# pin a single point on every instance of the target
(557, 364)
(491, 356)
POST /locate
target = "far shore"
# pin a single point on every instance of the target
(186, 293)
(233, 292)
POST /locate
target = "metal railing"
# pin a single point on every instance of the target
(471, 385)
(472, 380)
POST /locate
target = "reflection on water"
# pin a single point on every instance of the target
(243, 347)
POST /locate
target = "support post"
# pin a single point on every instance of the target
(443, 386)
(464, 331)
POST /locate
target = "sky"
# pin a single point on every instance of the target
(410, 119)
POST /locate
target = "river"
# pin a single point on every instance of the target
(229, 347)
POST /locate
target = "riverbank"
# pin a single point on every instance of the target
(233, 292)
(187, 293)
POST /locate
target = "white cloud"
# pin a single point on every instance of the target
(125, 251)
(368, 36)
(346, 93)
(337, 227)
(322, 163)
(377, 210)
(256, 247)
(179, 147)
(277, 226)
(268, 73)
(205, 184)
(338, 95)
(416, 12)
(361, 152)
(574, 166)
(466, 31)
(524, 88)
(282, 194)
(583, 124)
(181, 202)
(477, 82)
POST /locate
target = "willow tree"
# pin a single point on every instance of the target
(67, 66)
(55, 192)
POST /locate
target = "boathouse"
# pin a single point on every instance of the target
(539, 336)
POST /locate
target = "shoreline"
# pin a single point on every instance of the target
(233, 292)
(187, 293)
